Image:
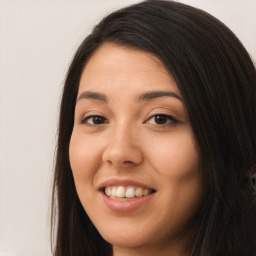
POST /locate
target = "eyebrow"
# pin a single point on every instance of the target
(144, 97)
(93, 95)
(158, 94)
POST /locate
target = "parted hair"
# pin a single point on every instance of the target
(217, 80)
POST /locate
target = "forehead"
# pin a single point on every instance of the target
(117, 67)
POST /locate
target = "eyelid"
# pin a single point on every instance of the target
(168, 110)
(89, 113)
(173, 121)
(87, 117)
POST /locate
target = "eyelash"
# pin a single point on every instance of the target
(85, 120)
(170, 120)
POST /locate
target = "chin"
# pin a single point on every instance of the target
(125, 238)
(127, 242)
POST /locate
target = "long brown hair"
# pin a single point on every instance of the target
(217, 80)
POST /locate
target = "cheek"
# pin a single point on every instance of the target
(84, 158)
(176, 159)
(175, 156)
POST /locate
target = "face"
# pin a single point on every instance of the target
(132, 151)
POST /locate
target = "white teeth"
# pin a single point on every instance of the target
(139, 192)
(108, 191)
(113, 192)
(120, 192)
(130, 192)
(145, 192)
(126, 192)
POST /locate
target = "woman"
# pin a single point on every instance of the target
(157, 144)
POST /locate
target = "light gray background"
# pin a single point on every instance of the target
(37, 40)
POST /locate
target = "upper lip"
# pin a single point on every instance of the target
(123, 182)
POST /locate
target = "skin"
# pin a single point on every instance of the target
(129, 143)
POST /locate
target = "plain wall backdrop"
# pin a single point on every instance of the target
(37, 41)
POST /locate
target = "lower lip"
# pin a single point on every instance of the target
(128, 205)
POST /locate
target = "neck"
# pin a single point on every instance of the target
(179, 245)
(174, 248)
(145, 252)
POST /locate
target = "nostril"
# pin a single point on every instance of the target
(122, 155)
(128, 162)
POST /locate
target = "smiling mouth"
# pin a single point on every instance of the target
(123, 193)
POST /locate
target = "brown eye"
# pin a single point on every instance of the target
(162, 119)
(94, 120)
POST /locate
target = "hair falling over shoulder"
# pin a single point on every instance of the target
(217, 80)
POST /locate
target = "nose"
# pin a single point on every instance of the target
(123, 149)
